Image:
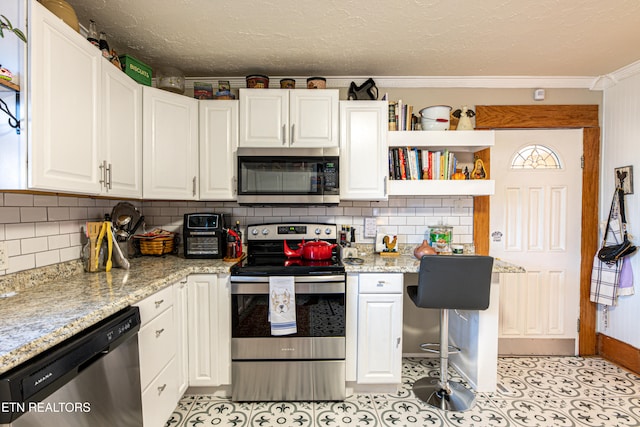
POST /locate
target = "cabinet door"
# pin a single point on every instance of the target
(264, 117)
(363, 150)
(379, 338)
(209, 330)
(121, 132)
(218, 146)
(314, 118)
(64, 106)
(182, 335)
(170, 145)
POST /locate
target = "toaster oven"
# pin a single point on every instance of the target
(204, 235)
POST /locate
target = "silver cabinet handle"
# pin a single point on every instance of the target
(385, 185)
(159, 302)
(293, 133)
(398, 342)
(159, 332)
(110, 180)
(194, 186)
(284, 139)
(234, 185)
(161, 388)
(103, 173)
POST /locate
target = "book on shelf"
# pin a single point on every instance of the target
(412, 163)
(401, 116)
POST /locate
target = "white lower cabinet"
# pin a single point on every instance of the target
(158, 366)
(379, 341)
(209, 318)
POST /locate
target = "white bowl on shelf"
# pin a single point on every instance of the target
(435, 117)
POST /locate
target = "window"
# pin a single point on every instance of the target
(535, 157)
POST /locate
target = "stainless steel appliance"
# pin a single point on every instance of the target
(204, 235)
(310, 364)
(91, 379)
(288, 175)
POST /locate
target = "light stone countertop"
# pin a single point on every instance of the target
(43, 307)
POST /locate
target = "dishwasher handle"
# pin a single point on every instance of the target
(39, 377)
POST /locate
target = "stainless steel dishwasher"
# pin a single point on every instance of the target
(91, 379)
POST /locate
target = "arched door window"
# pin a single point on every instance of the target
(535, 157)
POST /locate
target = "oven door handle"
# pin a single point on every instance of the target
(262, 288)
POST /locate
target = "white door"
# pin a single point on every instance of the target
(535, 222)
(264, 118)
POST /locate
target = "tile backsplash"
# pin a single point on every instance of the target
(42, 229)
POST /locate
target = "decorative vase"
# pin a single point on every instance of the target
(424, 249)
(64, 11)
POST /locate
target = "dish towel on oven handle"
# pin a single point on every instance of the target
(282, 305)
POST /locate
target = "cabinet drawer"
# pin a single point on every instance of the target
(378, 283)
(155, 304)
(159, 399)
(157, 341)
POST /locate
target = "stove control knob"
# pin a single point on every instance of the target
(327, 231)
(265, 231)
(318, 231)
(254, 231)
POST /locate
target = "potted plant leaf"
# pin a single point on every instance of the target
(5, 24)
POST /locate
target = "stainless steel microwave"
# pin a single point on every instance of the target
(288, 176)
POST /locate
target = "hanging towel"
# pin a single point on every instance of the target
(625, 285)
(282, 305)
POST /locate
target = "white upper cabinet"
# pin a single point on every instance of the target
(464, 142)
(64, 90)
(121, 133)
(363, 150)
(289, 118)
(170, 145)
(218, 147)
(86, 134)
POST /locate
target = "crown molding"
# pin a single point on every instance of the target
(492, 82)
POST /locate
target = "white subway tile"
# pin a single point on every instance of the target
(317, 210)
(68, 227)
(19, 231)
(31, 214)
(13, 248)
(406, 211)
(47, 228)
(68, 201)
(33, 245)
(415, 220)
(406, 230)
(47, 258)
(21, 262)
(15, 199)
(58, 214)
(353, 211)
(45, 200)
(432, 202)
(59, 241)
(397, 220)
(397, 202)
(70, 253)
(81, 213)
(9, 215)
(415, 202)
(86, 201)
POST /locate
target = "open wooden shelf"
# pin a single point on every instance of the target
(9, 85)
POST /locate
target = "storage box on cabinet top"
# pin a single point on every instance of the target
(137, 70)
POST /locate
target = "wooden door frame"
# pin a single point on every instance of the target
(554, 117)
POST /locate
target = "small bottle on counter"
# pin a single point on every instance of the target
(237, 230)
(104, 46)
(92, 35)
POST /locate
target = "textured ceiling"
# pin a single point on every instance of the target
(373, 37)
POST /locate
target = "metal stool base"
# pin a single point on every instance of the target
(429, 391)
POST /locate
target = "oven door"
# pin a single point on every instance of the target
(320, 320)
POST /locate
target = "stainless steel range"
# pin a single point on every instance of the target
(288, 315)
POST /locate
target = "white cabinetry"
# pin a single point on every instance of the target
(209, 329)
(218, 146)
(379, 343)
(85, 135)
(158, 367)
(456, 142)
(64, 97)
(363, 150)
(121, 133)
(289, 118)
(170, 145)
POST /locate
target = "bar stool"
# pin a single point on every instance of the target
(449, 282)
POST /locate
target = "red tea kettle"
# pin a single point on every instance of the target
(316, 250)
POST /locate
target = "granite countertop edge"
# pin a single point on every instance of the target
(61, 301)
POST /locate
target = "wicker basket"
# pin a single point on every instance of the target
(157, 246)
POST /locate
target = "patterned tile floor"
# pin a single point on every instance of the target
(533, 391)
